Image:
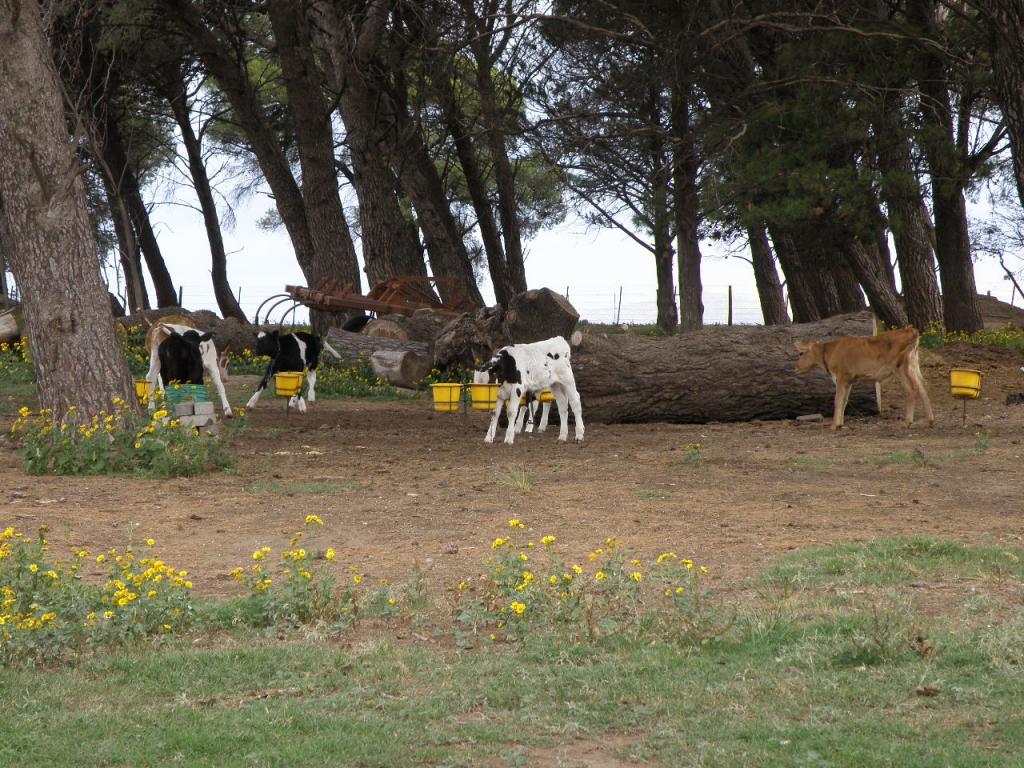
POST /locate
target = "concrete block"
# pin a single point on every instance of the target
(197, 421)
(184, 409)
(203, 409)
(811, 418)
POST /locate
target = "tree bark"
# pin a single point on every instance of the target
(802, 300)
(911, 230)
(1004, 22)
(403, 368)
(356, 347)
(178, 99)
(351, 45)
(687, 215)
(476, 184)
(233, 79)
(116, 160)
(884, 301)
(661, 218)
(334, 254)
(766, 278)
(75, 352)
(127, 248)
(420, 180)
(722, 373)
(946, 167)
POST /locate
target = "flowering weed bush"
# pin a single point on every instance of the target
(530, 588)
(299, 590)
(353, 380)
(49, 613)
(117, 442)
(1009, 337)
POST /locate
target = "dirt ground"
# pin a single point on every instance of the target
(398, 484)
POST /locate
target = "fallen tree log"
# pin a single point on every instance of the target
(719, 373)
(422, 325)
(357, 346)
(403, 368)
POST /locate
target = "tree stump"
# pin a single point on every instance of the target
(539, 314)
(401, 367)
(720, 373)
(422, 325)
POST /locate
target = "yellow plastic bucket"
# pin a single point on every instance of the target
(142, 389)
(447, 397)
(484, 396)
(547, 396)
(964, 382)
(288, 383)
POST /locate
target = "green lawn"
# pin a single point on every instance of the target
(834, 662)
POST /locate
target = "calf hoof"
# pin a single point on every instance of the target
(252, 402)
(228, 413)
(488, 439)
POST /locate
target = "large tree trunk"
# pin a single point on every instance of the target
(476, 184)
(884, 300)
(661, 221)
(232, 77)
(351, 45)
(802, 298)
(945, 165)
(723, 373)
(127, 248)
(687, 215)
(334, 254)
(75, 353)
(911, 230)
(116, 160)
(421, 182)
(1004, 21)
(178, 99)
(766, 278)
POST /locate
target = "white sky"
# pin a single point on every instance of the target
(592, 264)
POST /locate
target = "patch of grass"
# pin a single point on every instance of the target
(790, 701)
(896, 561)
(819, 463)
(849, 682)
(517, 478)
(914, 458)
(303, 487)
(654, 495)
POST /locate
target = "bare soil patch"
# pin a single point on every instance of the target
(398, 485)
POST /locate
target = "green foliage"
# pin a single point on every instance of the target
(1007, 337)
(356, 380)
(123, 441)
(298, 591)
(49, 612)
(530, 590)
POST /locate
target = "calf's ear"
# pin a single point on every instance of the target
(803, 346)
(206, 336)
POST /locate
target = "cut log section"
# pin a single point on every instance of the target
(537, 315)
(403, 368)
(720, 373)
(356, 346)
(422, 325)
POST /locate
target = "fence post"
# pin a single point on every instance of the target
(179, 295)
(730, 305)
(618, 312)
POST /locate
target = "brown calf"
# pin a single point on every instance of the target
(868, 357)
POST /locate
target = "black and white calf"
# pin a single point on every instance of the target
(298, 351)
(528, 413)
(531, 368)
(181, 358)
(213, 365)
